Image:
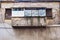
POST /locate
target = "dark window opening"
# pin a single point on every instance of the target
(49, 13)
(7, 13)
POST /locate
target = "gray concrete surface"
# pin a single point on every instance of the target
(8, 33)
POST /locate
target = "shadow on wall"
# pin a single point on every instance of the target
(42, 28)
(31, 32)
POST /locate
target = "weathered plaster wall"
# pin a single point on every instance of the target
(41, 4)
(53, 5)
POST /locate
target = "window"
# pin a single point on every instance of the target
(27, 12)
(34, 12)
(17, 12)
(49, 13)
(7, 13)
(22, 12)
(42, 12)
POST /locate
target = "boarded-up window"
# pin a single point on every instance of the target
(8, 14)
(49, 13)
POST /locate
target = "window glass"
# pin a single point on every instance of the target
(17, 12)
(42, 12)
(27, 12)
(34, 12)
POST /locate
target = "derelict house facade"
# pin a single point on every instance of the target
(30, 12)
